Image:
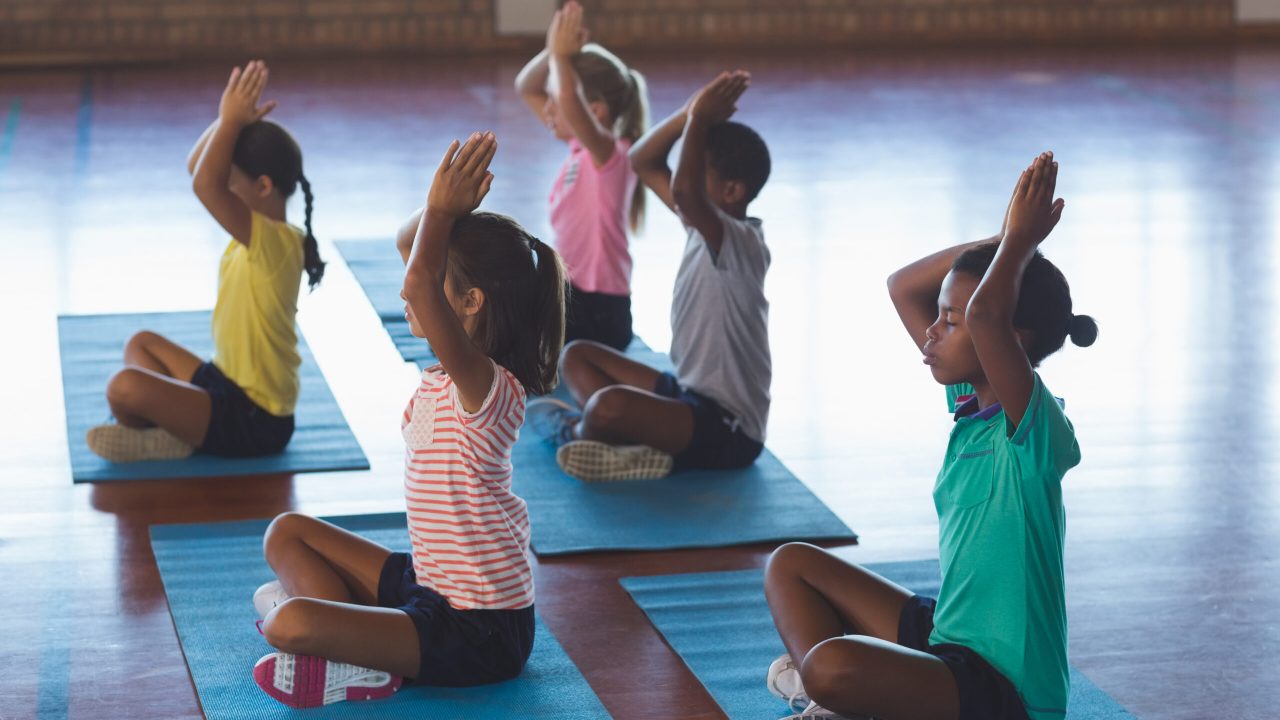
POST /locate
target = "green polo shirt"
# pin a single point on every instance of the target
(999, 501)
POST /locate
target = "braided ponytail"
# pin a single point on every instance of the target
(310, 250)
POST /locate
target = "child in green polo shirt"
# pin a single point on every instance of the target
(993, 646)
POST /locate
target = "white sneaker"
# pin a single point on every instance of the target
(267, 597)
(816, 711)
(552, 419)
(121, 444)
(783, 680)
(590, 461)
(303, 681)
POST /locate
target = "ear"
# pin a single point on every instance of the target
(472, 301)
(735, 192)
(263, 186)
(600, 109)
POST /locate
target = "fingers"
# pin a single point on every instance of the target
(447, 160)
(1056, 213)
(234, 79)
(484, 187)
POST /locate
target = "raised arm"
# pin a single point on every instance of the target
(649, 155)
(914, 288)
(715, 103)
(1032, 215)
(565, 39)
(460, 183)
(239, 107)
(531, 84)
(197, 150)
(408, 231)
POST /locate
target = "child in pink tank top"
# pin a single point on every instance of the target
(588, 98)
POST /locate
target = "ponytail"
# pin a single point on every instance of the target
(265, 148)
(633, 123)
(625, 92)
(310, 250)
(549, 312)
(521, 322)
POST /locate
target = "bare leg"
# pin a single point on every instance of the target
(157, 353)
(332, 577)
(316, 559)
(588, 367)
(621, 415)
(816, 600)
(141, 398)
(372, 637)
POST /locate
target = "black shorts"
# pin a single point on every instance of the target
(985, 694)
(718, 443)
(238, 427)
(599, 317)
(458, 648)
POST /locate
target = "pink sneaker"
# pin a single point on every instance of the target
(303, 681)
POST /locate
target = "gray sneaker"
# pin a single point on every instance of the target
(593, 461)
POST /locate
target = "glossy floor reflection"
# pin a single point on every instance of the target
(1171, 239)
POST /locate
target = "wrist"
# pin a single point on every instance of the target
(437, 213)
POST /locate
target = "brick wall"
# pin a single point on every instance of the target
(64, 31)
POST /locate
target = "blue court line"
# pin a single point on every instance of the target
(10, 130)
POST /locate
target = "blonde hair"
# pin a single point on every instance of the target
(625, 93)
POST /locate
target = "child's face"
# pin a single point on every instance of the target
(555, 121)
(948, 350)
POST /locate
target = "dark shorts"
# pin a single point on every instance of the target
(985, 694)
(238, 427)
(597, 316)
(458, 648)
(718, 443)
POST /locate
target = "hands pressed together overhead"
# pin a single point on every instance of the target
(239, 105)
(718, 101)
(1033, 211)
(463, 178)
(566, 36)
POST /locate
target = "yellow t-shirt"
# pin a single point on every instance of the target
(254, 340)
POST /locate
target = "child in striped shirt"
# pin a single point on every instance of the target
(349, 617)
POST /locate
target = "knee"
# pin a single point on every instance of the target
(606, 407)
(834, 673)
(785, 560)
(125, 388)
(283, 531)
(574, 357)
(290, 626)
(140, 341)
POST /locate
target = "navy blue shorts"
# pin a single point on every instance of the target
(985, 694)
(238, 427)
(600, 317)
(458, 648)
(718, 443)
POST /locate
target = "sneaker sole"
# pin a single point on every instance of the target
(592, 461)
(120, 444)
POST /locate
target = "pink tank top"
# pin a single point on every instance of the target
(589, 208)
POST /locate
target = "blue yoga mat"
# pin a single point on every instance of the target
(765, 502)
(92, 348)
(719, 624)
(210, 572)
(379, 270)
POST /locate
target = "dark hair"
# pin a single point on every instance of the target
(738, 153)
(265, 148)
(606, 78)
(1044, 303)
(521, 323)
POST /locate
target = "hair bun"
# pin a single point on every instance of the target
(1083, 330)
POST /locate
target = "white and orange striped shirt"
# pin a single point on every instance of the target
(470, 533)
